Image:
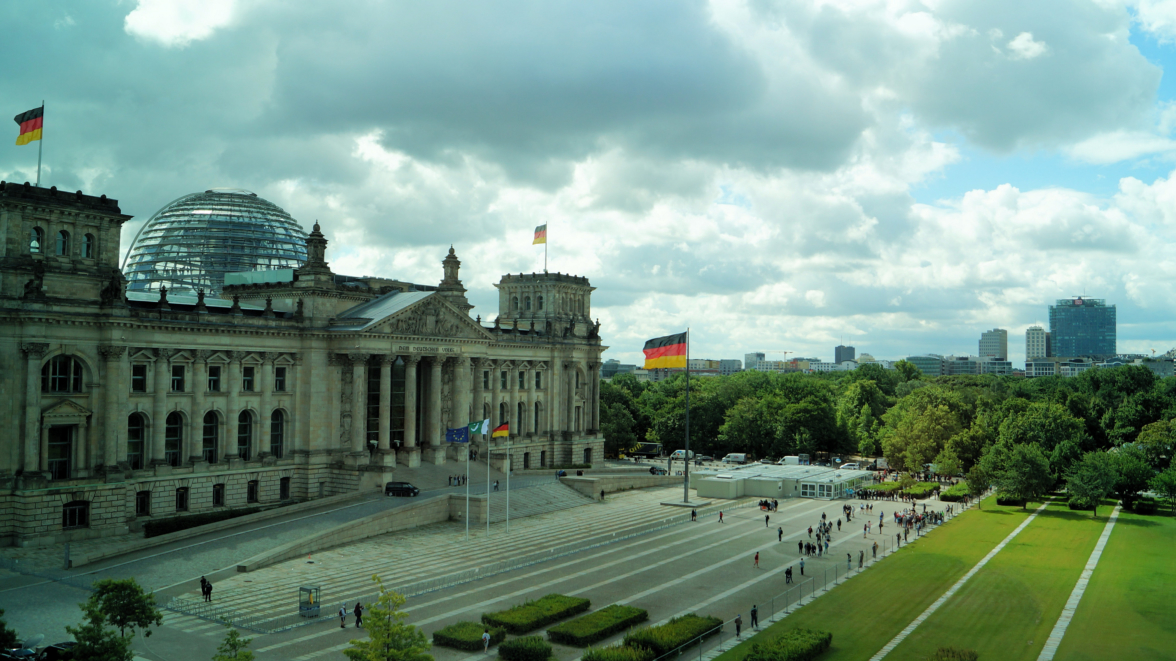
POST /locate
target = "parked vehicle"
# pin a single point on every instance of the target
(681, 454)
(735, 458)
(790, 460)
(656, 470)
(851, 466)
(401, 489)
(704, 457)
(58, 652)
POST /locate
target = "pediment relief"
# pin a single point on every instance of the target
(432, 317)
(66, 411)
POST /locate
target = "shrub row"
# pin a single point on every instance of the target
(538, 613)
(1146, 505)
(955, 494)
(922, 489)
(952, 654)
(1078, 504)
(618, 653)
(884, 486)
(667, 637)
(1010, 502)
(590, 628)
(467, 636)
(796, 645)
(164, 526)
(527, 648)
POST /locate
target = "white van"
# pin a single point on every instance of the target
(735, 458)
(679, 455)
(790, 460)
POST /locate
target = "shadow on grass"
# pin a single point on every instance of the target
(1140, 523)
(1076, 515)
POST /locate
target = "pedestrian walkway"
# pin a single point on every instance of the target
(540, 499)
(1059, 630)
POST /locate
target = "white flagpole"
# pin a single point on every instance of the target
(467, 460)
(509, 470)
(41, 143)
(487, 480)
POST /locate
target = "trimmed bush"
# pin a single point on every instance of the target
(673, 634)
(952, 654)
(1009, 502)
(590, 628)
(883, 486)
(954, 494)
(1146, 506)
(527, 648)
(467, 636)
(175, 524)
(796, 645)
(922, 489)
(538, 613)
(618, 653)
(1079, 504)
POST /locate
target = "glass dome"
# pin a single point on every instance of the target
(194, 241)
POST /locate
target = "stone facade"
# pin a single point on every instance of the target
(117, 409)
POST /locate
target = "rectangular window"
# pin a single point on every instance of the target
(247, 379)
(538, 380)
(142, 503)
(284, 488)
(502, 380)
(182, 499)
(522, 380)
(373, 407)
(75, 514)
(251, 491)
(485, 380)
(61, 452)
(214, 376)
(138, 378)
(177, 384)
(279, 379)
(218, 495)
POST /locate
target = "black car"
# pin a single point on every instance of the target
(400, 489)
(654, 470)
(58, 652)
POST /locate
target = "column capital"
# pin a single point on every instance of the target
(202, 355)
(412, 359)
(267, 356)
(358, 357)
(237, 356)
(110, 352)
(383, 359)
(297, 358)
(35, 349)
(165, 354)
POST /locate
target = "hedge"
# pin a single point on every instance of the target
(1146, 506)
(1010, 502)
(538, 613)
(955, 494)
(796, 645)
(527, 648)
(584, 631)
(952, 654)
(673, 634)
(175, 524)
(1079, 504)
(618, 653)
(467, 636)
(922, 489)
(883, 486)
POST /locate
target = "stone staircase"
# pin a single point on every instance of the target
(536, 500)
(426, 558)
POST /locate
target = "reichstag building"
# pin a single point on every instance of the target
(225, 365)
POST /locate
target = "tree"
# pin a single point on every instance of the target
(1157, 441)
(920, 437)
(1091, 479)
(98, 641)
(390, 638)
(1026, 474)
(978, 482)
(8, 637)
(907, 371)
(618, 427)
(947, 464)
(233, 647)
(1133, 473)
(1165, 483)
(1045, 423)
(1064, 455)
(124, 605)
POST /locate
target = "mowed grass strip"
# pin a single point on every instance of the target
(864, 613)
(1127, 610)
(1008, 608)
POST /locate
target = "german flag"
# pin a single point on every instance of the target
(540, 234)
(501, 430)
(30, 125)
(666, 352)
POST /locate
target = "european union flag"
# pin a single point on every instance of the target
(458, 435)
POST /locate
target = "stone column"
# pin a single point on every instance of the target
(555, 398)
(199, 387)
(461, 403)
(79, 447)
(410, 454)
(266, 378)
(495, 416)
(384, 442)
(479, 399)
(159, 407)
(112, 422)
(432, 452)
(229, 442)
(358, 405)
(517, 427)
(34, 352)
(569, 398)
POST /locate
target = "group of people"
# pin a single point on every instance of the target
(769, 505)
(458, 480)
(206, 588)
(358, 610)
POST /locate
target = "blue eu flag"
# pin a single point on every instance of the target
(458, 435)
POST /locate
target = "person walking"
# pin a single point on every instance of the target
(780, 534)
(342, 617)
(485, 640)
(838, 525)
(693, 515)
(204, 588)
(738, 625)
(875, 547)
(208, 591)
(799, 547)
(864, 530)
(848, 562)
(788, 575)
(602, 495)
(358, 615)
(802, 566)
(755, 565)
(754, 616)
(766, 518)
(720, 516)
(496, 485)
(861, 558)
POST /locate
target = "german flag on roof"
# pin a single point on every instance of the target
(30, 125)
(666, 352)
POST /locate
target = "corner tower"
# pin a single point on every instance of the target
(533, 300)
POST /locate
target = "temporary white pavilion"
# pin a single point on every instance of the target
(780, 482)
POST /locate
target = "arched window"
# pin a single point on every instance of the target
(88, 246)
(173, 438)
(539, 302)
(62, 374)
(503, 413)
(244, 435)
(521, 417)
(514, 303)
(136, 440)
(63, 243)
(277, 434)
(36, 240)
(486, 411)
(210, 440)
(527, 303)
(536, 428)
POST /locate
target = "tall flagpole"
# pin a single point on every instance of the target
(467, 458)
(686, 482)
(488, 455)
(41, 143)
(545, 233)
(509, 470)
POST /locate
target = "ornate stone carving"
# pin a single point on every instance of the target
(163, 304)
(236, 356)
(202, 355)
(110, 352)
(114, 292)
(200, 306)
(335, 359)
(34, 349)
(297, 358)
(358, 357)
(431, 319)
(267, 356)
(164, 354)
(35, 288)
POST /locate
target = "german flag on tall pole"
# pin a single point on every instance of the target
(541, 237)
(673, 352)
(30, 123)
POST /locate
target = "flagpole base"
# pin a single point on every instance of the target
(409, 457)
(434, 455)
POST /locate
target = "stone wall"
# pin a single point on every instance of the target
(592, 486)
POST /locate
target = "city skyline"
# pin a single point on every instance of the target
(930, 185)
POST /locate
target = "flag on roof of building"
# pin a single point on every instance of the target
(30, 126)
(540, 234)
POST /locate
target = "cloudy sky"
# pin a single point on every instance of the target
(775, 175)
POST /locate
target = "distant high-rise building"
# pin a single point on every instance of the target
(752, 360)
(1082, 327)
(994, 343)
(929, 364)
(1035, 346)
(843, 353)
(728, 367)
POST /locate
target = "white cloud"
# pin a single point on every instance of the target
(177, 23)
(1120, 146)
(1023, 47)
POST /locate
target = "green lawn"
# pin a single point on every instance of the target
(868, 610)
(1007, 610)
(1127, 611)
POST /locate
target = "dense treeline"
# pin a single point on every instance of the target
(960, 423)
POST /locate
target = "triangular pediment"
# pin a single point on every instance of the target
(65, 410)
(432, 317)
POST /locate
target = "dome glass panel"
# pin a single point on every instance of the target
(194, 241)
